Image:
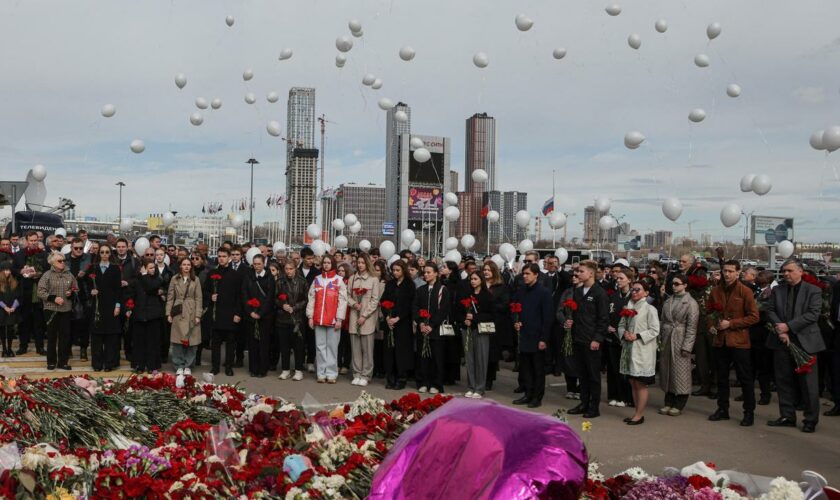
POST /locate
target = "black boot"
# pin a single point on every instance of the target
(83, 353)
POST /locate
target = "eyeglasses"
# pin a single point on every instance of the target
(195, 258)
(78, 248)
(677, 283)
(637, 290)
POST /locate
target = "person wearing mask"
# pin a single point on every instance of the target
(399, 341)
(147, 292)
(55, 289)
(9, 308)
(363, 299)
(732, 340)
(326, 308)
(618, 388)
(30, 264)
(794, 309)
(292, 296)
(589, 328)
(184, 307)
(638, 332)
(258, 296)
(477, 317)
(533, 325)
(224, 287)
(78, 263)
(430, 310)
(501, 318)
(678, 329)
(106, 292)
(345, 353)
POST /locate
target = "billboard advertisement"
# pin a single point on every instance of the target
(425, 203)
(766, 230)
(627, 242)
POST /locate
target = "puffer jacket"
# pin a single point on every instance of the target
(327, 302)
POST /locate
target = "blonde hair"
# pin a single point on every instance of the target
(590, 264)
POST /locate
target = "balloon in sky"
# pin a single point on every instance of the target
(272, 97)
(364, 245)
(168, 219)
(126, 225)
(603, 204)
(201, 103)
(407, 237)
(340, 241)
(562, 255)
(831, 138)
(607, 222)
(556, 219)
(39, 172)
(340, 59)
(385, 104)
(338, 224)
(137, 146)
(415, 246)
(273, 128)
(450, 243)
(350, 219)
(493, 216)
(451, 214)
(816, 140)
(250, 98)
(633, 139)
(196, 119)
(559, 53)
(761, 184)
(481, 60)
(746, 183)
(354, 25)
(523, 22)
(401, 116)
(526, 245)
(344, 43)
(634, 41)
(467, 241)
(507, 251)
(498, 260)
(140, 245)
(672, 208)
(229, 20)
(368, 79)
(417, 142)
(701, 60)
(318, 247)
(713, 30)
(452, 256)
(285, 53)
(108, 110)
(523, 218)
(422, 155)
(181, 80)
(386, 249)
(377, 84)
(357, 34)
(451, 198)
(216, 103)
(697, 115)
(479, 175)
(661, 26)
(237, 221)
(733, 90)
(613, 9)
(248, 74)
(407, 53)
(730, 214)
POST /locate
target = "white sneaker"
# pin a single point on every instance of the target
(310, 368)
(433, 390)
(180, 371)
(469, 394)
(477, 395)
(423, 390)
(363, 382)
(187, 371)
(612, 402)
(355, 381)
(284, 375)
(620, 404)
(298, 376)
(575, 395)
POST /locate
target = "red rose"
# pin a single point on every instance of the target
(283, 297)
(129, 303)
(254, 302)
(570, 304)
(515, 307)
(424, 313)
(387, 305)
(699, 482)
(215, 277)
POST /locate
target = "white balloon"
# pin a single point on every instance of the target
(357, 34)
(451, 198)
(354, 25)
(273, 128)
(507, 251)
(785, 249)
(761, 185)
(493, 216)
(831, 138)
(634, 41)
(562, 255)
(523, 218)
(415, 246)
(181, 80)
(338, 224)
(285, 54)
(168, 219)
(401, 116)
(66, 248)
(730, 214)
(387, 249)
(450, 243)
(526, 245)
(126, 225)
(523, 22)
(229, 20)
(368, 79)
(249, 255)
(672, 208)
(701, 60)
(498, 260)
(451, 213)
(167, 262)
(355, 228)
(613, 9)
(634, 139)
(340, 241)
(318, 247)
(816, 140)
(713, 30)
(467, 241)
(137, 146)
(250, 98)
(140, 245)
(272, 97)
(196, 119)
(481, 60)
(407, 237)
(216, 103)
(385, 104)
(340, 59)
(108, 110)
(39, 172)
(416, 143)
(607, 222)
(661, 26)
(314, 231)
(248, 74)
(350, 219)
(407, 53)
(422, 155)
(278, 248)
(746, 183)
(201, 103)
(237, 221)
(733, 90)
(479, 175)
(377, 84)
(559, 53)
(603, 204)
(344, 43)
(364, 245)
(452, 256)
(697, 115)
(556, 219)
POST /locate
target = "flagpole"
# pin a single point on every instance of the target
(553, 201)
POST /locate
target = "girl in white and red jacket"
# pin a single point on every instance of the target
(326, 309)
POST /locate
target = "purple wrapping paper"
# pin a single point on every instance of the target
(475, 449)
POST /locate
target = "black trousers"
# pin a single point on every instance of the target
(146, 342)
(259, 348)
(6, 336)
(787, 384)
(618, 387)
(228, 338)
(241, 341)
(165, 331)
(274, 348)
(291, 342)
(394, 371)
(430, 371)
(80, 331)
(589, 371)
(59, 341)
(532, 370)
(309, 343)
(725, 357)
(105, 351)
(125, 331)
(32, 325)
(835, 375)
(762, 362)
(677, 401)
(703, 352)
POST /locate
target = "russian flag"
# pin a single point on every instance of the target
(548, 206)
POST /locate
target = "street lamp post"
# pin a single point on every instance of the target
(252, 162)
(121, 184)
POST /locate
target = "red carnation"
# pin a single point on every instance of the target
(570, 304)
(254, 302)
(185, 342)
(696, 281)
(699, 482)
(360, 291)
(424, 313)
(714, 307)
(610, 292)
(92, 276)
(466, 303)
(129, 303)
(515, 307)
(387, 305)
(215, 277)
(627, 313)
(283, 297)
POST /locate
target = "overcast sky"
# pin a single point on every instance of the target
(61, 61)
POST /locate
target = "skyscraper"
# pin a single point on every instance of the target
(480, 152)
(393, 174)
(300, 120)
(301, 163)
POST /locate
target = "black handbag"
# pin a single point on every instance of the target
(78, 310)
(178, 309)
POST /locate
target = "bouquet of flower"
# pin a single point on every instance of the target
(255, 303)
(626, 353)
(426, 350)
(715, 311)
(825, 311)
(469, 303)
(388, 307)
(569, 308)
(359, 293)
(215, 277)
(129, 305)
(804, 362)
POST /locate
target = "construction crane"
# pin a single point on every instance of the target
(323, 120)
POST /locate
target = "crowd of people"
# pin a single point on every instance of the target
(409, 319)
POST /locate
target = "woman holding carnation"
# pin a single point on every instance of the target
(291, 318)
(680, 313)
(396, 303)
(147, 294)
(104, 282)
(501, 318)
(430, 311)
(326, 309)
(618, 388)
(183, 312)
(9, 307)
(476, 314)
(363, 298)
(638, 330)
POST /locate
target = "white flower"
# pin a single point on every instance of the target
(366, 404)
(594, 472)
(199, 399)
(252, 411)
(287, 407)
(315, 434)
(637, 473)
(729, 494)
(782, 489)
(296, 494)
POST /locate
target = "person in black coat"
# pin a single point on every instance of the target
(399, 342)
(147, 294)
(258, 287)
(452, 345)
(292, 296)
(557, 281)
(106, 292)
(166, 272)
(618, 388)
(534, 327)
(834, 350)
(9, 308)
(129, 266)
(589, 326)
(430, 311)
(78, 263)
(503, 337)
(224, 287)
(30, 264)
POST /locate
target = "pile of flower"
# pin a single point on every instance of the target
(150, 437)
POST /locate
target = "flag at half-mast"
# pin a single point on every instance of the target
(548, 206)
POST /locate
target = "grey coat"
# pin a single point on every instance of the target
(678, 331)
(804, 330)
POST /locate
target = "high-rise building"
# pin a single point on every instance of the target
(366, 202)
(394, 130)
(662, 238)
(480, 148)
(592, 232)
(507, 203)
(301, 163)
(470, 206)
(453, 180)
(300, 120)
(420, 191)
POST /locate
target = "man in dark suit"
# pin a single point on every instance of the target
(794, 309)
(224, 289)
(30, 264)
(533, 326)
(557, 282)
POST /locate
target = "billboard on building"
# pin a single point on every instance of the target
(628, 242)
(766, 230)
(425, 203)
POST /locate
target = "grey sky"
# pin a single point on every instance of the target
(61, 61)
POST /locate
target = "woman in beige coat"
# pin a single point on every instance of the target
(638, 330)
(678, 330)
(185, 336)
(363, 292)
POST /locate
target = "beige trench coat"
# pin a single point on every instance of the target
(678, 331)
(184, 325)
(369, 302)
